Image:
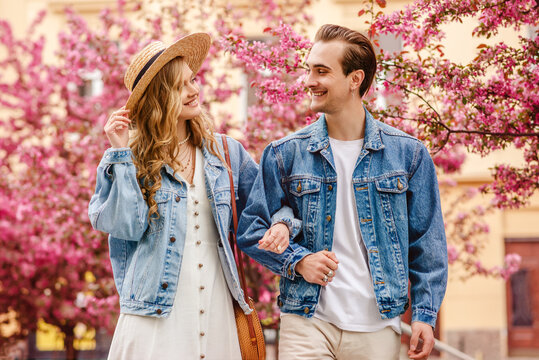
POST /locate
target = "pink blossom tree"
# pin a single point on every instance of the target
(55, 267)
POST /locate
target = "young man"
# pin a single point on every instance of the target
(367, 219)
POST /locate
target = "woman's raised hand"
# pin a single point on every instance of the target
(117, 128)
(276, 239)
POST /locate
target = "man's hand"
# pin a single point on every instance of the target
(276, 239)
(318, 268)
(424, 332)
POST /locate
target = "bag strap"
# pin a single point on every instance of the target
(233, 242)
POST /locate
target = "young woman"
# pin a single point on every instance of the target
(163, 195)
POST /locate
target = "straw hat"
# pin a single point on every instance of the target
(147, 63)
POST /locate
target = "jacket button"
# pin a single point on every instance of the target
(172, 239)
(202, 287)
(280, 303)
(330, 187)
(158, 311)
(197, 226)
(202, 333)
(196, 202)
(198, 242)
(306, 310)
(399, 184)
(200, 265)
(202, 356)
(202, 311)
(164, 286)
(328, 218)
(196, 213)
(177, 198)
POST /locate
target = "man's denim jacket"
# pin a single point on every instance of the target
(146, 258)
(398, 208)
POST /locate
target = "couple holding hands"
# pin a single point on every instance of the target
(345, 210)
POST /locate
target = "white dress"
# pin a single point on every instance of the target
(201, 324)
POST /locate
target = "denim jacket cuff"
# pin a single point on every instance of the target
(117, 156)
(425, 316)
(289, 267)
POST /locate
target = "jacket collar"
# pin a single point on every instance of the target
(213, 163)
(320, 138)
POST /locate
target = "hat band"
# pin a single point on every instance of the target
(145, 68)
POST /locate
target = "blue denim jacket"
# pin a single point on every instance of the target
(398, 209)
(146, 258)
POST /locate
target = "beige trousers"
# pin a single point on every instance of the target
(313, 339)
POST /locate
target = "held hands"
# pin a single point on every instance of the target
(318, 268)
(117, 128)
(421, 351)
(276, 239)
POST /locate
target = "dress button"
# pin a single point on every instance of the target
(202, 311)
(200, 265)
(197, 226)
(198, 242)
(158, 311)
(172, 239)
(202, 356)
(196, 213)
(177, 198)
(306, 310)
(164, 286)
(330, 187)
(328, 218)
(202, 287)
(202, 333)
(196, 202)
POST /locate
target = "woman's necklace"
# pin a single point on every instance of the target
(185, 159)
(184, 140)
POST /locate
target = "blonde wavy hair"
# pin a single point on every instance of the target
(155, 138)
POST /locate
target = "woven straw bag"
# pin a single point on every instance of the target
(250, 334)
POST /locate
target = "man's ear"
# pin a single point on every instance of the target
(357, 77)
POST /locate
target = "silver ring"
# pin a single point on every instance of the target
(330, 273)
(325, 279)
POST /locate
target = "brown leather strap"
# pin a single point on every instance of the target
(233, 243)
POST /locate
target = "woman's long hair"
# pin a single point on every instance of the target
(155, 139)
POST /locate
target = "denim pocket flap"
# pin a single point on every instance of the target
(223, 196)
(300, 187)
(394, 184)
(162, 196)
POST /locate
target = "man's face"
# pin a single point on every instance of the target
(329, 87)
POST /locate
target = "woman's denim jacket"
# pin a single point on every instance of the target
(146, 258)
(398, 208)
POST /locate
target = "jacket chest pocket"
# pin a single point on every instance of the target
(392, 193)
(163, 199)
(223, 206)
(305, 199)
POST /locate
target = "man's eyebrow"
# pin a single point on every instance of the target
(317, 66)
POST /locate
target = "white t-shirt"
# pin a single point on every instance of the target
(348, 302)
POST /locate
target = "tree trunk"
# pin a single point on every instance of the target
(71, 353)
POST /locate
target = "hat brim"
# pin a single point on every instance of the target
(193, 48)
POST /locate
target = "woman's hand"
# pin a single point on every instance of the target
(117, 128)
(276, 239)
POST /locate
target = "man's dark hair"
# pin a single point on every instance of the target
(358, 54)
